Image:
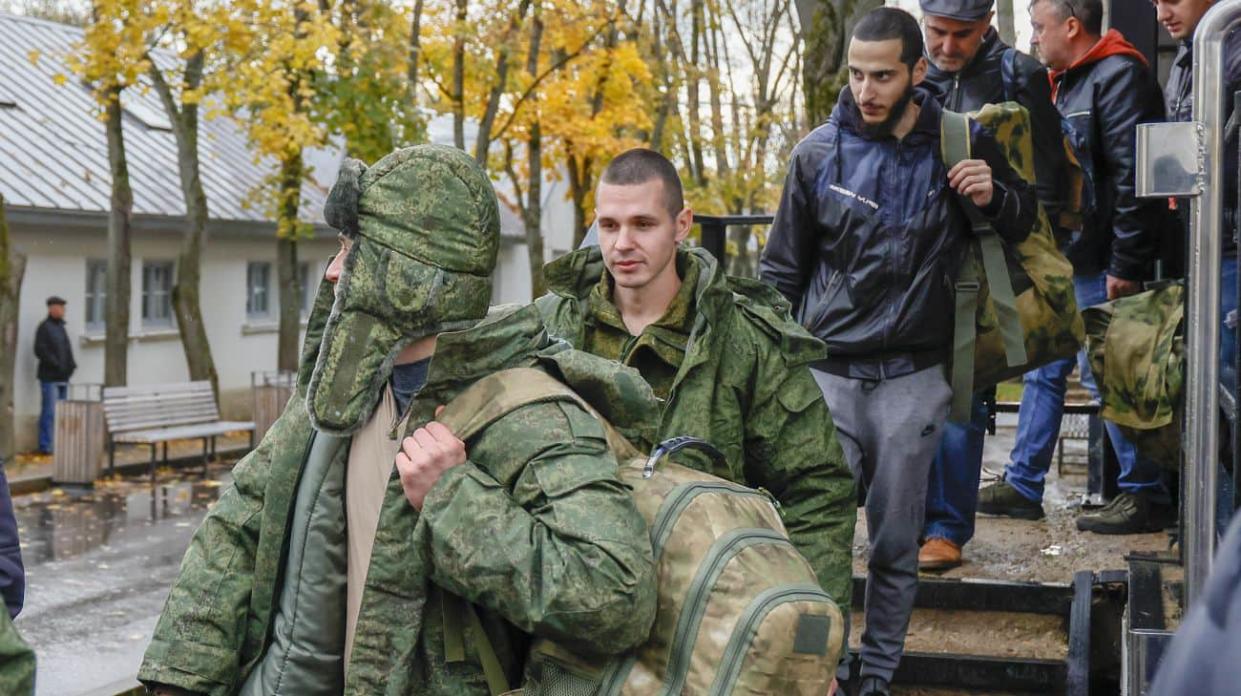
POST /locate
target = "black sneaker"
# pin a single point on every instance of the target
(1000, 498)
(874, 686)
(1128, 513)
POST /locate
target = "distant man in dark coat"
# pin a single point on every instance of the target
(56, 366)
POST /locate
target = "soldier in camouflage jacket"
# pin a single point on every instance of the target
(732, 368)
(533, 528)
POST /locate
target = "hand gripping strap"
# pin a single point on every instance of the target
(955, 147)
(481, 404)
(500, 393)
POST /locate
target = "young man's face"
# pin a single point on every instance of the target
(637, 233)
(1181, 17)
(334, 269)
(1052, 34)
(56, 311)
(881, 84)
(953, 43)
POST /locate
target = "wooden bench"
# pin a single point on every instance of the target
(154, 414)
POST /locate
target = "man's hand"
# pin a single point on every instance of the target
(972, 179)
(424, 457)
(1119, 287)
(831, 688)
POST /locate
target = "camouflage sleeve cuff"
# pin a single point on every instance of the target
(202, 669)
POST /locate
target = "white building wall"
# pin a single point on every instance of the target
(56, 265)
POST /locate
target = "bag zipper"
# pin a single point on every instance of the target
(672, 507)
(679, 500)
(686, 633)
(730, 663)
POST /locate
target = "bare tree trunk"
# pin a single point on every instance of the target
(664, 71)
(186, 303)
(717, 108)
(286, 263)
(12, 268)
(581, 171)
(693, 74)
(532, 211)
(415, 51)
(458, 77)
(483, 143)
(1004, 15)
(120, 222)
(578, 186)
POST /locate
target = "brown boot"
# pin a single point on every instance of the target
(939, 554)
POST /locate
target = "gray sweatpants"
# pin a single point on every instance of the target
(890, 430)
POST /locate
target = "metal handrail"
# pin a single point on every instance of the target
(1203, 285)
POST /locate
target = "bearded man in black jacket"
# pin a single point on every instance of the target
(870, 231)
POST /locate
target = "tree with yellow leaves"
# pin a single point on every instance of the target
(113, 57)
(276, 54)
(552, 87)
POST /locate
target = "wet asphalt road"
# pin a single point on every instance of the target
(98, 569)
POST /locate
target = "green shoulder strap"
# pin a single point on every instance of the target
(479, 405)
(500, 393)
(955, 147)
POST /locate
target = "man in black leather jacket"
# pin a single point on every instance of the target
(866, 241)
(1102, 85)
(972, 67)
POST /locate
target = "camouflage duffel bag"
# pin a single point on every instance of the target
(1015, 306)
(740, 610)
(1136, 347)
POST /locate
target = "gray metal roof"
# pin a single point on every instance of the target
(53, 149)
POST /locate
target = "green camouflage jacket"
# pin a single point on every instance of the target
(16, 660)
(745, 386)
(535, 529)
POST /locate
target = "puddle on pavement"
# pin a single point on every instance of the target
(60, 524)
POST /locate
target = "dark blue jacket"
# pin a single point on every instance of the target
(1204, 658)
(867, 240)
(12, 574)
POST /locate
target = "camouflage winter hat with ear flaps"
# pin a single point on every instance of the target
(425, 227)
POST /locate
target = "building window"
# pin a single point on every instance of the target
(258, 290)
(96, 294)
(157, 293)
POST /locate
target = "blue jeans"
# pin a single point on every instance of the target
(1042, 406)
(952, 492)
(52, 392)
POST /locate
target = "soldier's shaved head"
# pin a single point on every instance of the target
(641, 165)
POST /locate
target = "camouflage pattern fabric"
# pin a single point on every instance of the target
(16, 660)
(425, 228)
(743, 385)
(719, 554)
(1042, 277)
(536, 529)
(660, 350)
(1136, 347)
